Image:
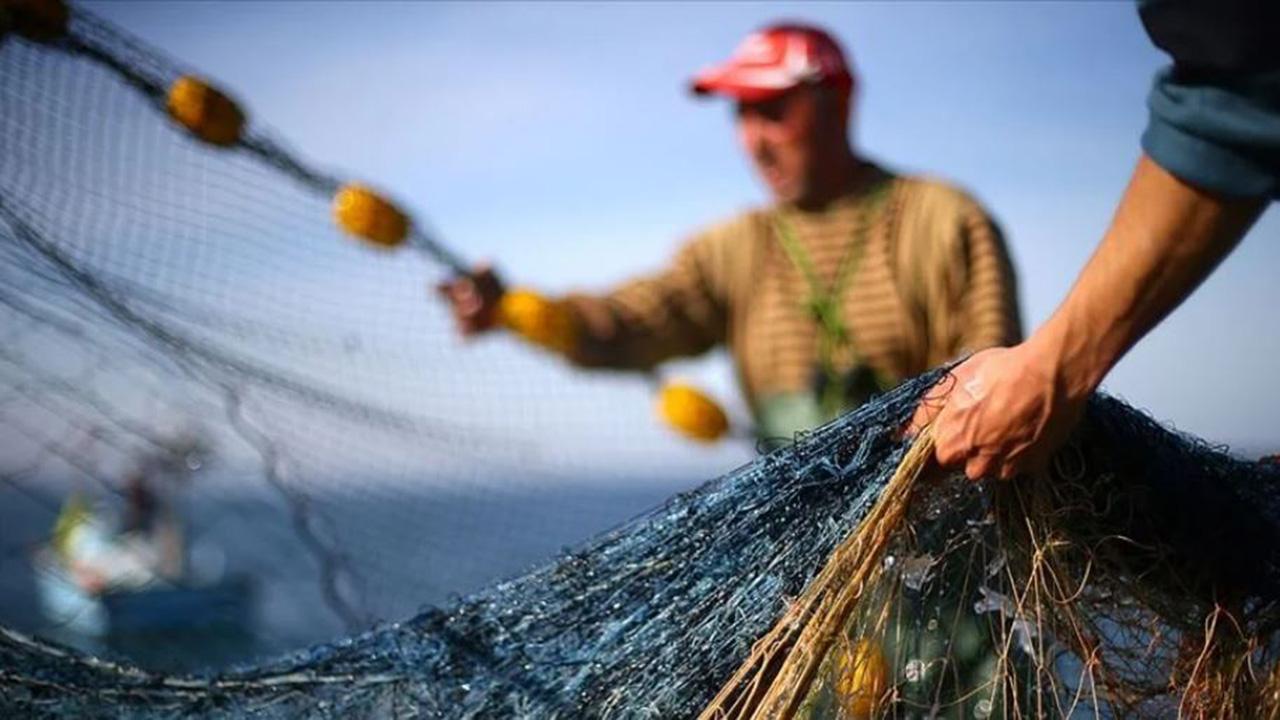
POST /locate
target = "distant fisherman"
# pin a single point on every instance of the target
(852, 280)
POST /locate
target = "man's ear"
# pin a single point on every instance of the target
(834, 103)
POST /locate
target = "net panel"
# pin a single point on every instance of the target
(164, 297)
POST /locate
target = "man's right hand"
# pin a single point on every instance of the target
(474, 299)
(1002, 411)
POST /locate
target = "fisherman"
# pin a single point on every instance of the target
(132, 549)
(852, 279)
(1209, 167)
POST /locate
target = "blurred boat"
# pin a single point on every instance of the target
(131, 587)
(224, 606)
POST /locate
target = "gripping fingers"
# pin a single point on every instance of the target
(979, 467)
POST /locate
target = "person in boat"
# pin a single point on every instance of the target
(100, 554)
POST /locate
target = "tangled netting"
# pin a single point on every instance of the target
(839, 577)
(1136, 578)
(645, 622)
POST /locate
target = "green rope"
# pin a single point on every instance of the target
(823, 304)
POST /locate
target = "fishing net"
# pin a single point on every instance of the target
(191, 312)
(164, 301)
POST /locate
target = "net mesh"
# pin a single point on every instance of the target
(164, 299)
(181, 311)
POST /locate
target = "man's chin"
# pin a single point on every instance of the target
(783, 194)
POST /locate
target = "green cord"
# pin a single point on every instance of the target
(823, 304)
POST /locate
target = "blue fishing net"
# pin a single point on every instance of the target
(652, 619)
(646, 621)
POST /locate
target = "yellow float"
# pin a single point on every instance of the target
(862, 677)
(207, 113)
(692, 412)
(369, 216)
(540, 321)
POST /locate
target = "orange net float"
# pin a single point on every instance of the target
(361, 212)
(205, 111)
(692, 412)
(863, 680)
(36, 20)
(541, 321)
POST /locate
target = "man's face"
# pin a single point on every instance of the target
(785, 137)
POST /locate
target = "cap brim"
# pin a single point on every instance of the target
(730, 81)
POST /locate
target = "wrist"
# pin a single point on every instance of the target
(1070, 357)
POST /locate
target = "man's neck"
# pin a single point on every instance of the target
(850, 176)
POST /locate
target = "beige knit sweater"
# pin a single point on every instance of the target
(933, 281)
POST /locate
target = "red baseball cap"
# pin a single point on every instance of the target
(775, 59)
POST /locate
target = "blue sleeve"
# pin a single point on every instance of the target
(1215, 113)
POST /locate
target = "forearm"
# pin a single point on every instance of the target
(650, 319)
(602, 339)
(1165, 239)
(612, 333)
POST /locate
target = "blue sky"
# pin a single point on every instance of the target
(558, 140)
